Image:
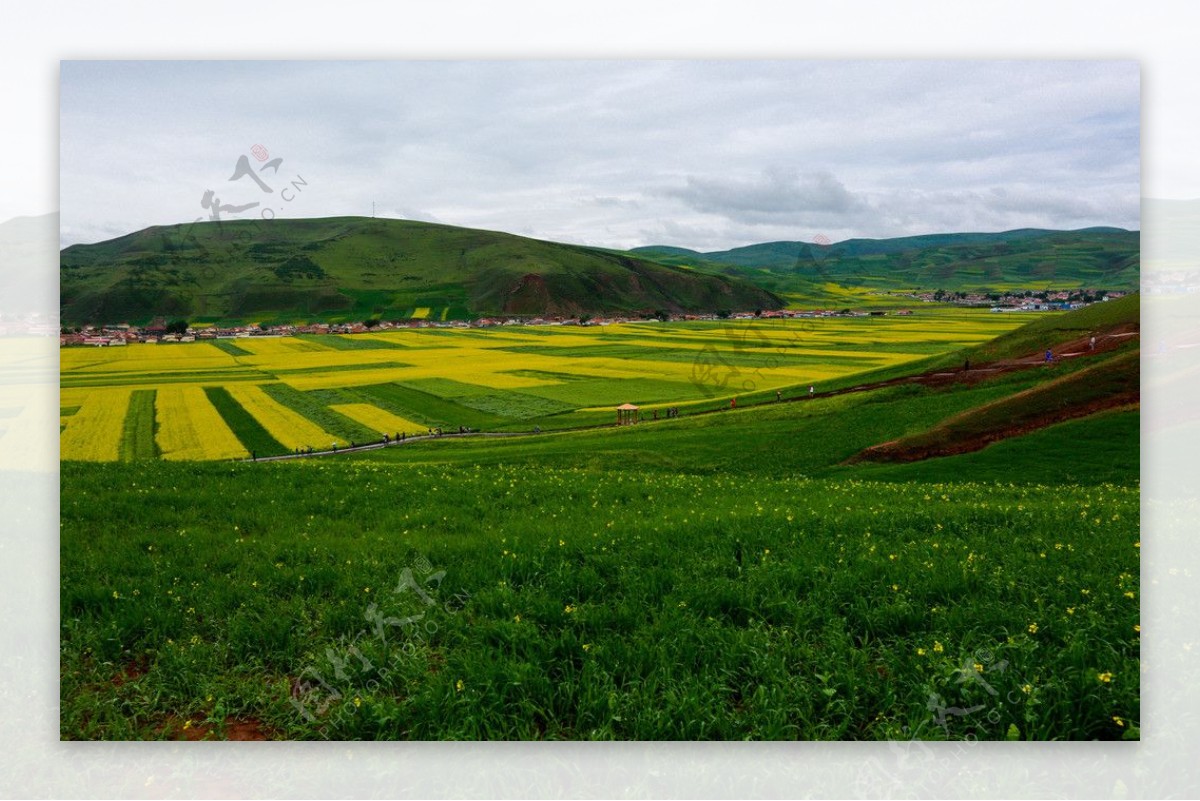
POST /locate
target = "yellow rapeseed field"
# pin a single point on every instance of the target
(291, 429)
(133, 359)
(282, 347)
(189, 427)
(577, 366)
(94, 432)
(378, 419)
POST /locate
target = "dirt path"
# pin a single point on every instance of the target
(374, 446)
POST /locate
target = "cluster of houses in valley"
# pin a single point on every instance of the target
(1057, 300)
(160, 332)
(157, 332)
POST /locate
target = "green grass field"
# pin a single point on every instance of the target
(573, 603)
(717, 576)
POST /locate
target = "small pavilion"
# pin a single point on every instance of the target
(627, 414)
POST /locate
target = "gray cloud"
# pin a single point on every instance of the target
(774, 194)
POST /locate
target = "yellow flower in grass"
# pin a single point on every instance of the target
(920, 652)
(937, 647)
(458, 686)
(1117, 719)
(1033, 628)
(1104, 677)
(569, 608)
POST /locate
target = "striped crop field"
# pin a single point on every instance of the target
(381, 420)
(291, 429)
(137, 441)
(244, 426)
(277, 394)
(95, 431)
(190, 427)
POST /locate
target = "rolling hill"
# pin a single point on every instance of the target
(351, 268)
(1028, 258)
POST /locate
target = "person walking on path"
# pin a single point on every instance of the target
(1049, 356)
(1092, 345)
(733, 403)
(778, 395)
(811, 390)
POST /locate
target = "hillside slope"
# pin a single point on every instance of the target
(1111, 384)
(1094, 258)
(356, 267)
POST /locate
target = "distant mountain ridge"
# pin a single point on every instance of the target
(345, 268)
(1097, 257)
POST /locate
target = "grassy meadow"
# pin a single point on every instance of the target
(713, 576)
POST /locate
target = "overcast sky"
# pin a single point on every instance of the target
(703, 154)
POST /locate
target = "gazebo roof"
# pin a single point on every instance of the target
(627, 407)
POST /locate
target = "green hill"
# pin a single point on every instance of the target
(1093, 258)
(351, 268)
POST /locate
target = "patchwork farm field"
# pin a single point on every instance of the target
(713, 576)
(277, 395)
